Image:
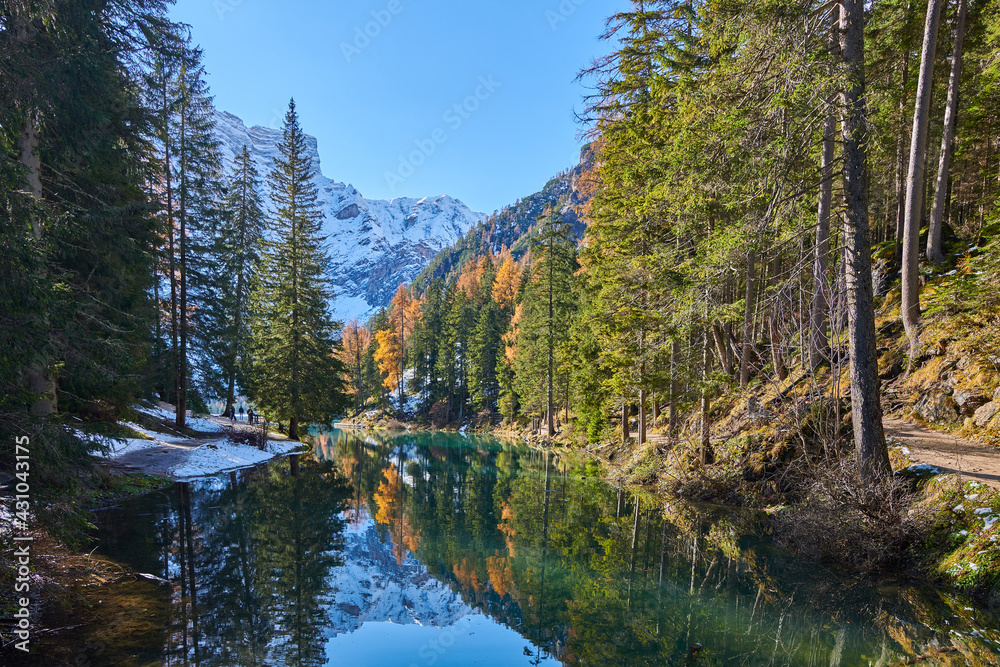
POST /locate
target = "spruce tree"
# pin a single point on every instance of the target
(188, 188)
(237, 257)
(424, 347)
(295, 376)
(485, 349)
(548, 307)
(199, 200)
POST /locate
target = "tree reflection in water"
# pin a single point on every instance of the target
(585, 572)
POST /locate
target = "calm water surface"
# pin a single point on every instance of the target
(438, 549)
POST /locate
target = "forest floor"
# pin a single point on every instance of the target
(947, 453)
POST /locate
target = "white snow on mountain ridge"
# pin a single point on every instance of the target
(374, 245)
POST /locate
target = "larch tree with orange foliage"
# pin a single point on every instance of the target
(507, 283)
(391, 353)
(389, 357)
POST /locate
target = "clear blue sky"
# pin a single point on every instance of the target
(370, 99)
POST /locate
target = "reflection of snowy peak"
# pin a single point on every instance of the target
(375, 245)
(372, 587)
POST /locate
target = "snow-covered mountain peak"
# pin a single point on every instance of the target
(375, 245)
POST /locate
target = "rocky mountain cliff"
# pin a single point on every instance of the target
(513, 226)
(375, 245)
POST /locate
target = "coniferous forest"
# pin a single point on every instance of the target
(782, 238)
(765, 185)
(136, 264)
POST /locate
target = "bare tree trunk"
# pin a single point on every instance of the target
(901, 153)
(171, 244)
(748, 328)
(707, 455)
(916, 179)
(774, 330)
(819, 346)
(675, 385)
(934, 253)
(28, 143)
(182, 366)
(869, 436)
(39, 382)
(642, 416)
(626, 430)
(722, 349)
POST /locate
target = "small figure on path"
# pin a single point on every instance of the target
(241, 413)
(250, 415)
(232, 413)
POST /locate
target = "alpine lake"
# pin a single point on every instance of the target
(450, 549)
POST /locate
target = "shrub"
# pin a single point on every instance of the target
(858, 524)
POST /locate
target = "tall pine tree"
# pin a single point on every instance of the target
(188, 189)
(237, 255)
(295, 375)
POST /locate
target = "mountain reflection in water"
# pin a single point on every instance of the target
(439, 549)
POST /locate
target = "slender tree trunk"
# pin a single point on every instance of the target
(183, 315)
(934, 252)
(819, 346)
(707, 455)
(675, 385)
(159, 324)
(901, 152)
(748, 324)
(28, 145)
(626, 430)
(915, 181)
(642, 416)
(171, 243)
(774, 329)
(722, 349)
(869, 436)
(39, 382)
(234, 354)
(551, 345)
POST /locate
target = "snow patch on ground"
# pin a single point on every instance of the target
(222, 456)
(201, 424)
(154, 435)
(219, 455)
(159, 413)
(119, 448)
